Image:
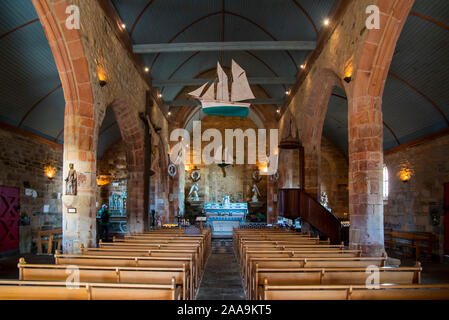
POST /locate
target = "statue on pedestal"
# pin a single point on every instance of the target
(193, 194)
(255, 192)
(71, 181)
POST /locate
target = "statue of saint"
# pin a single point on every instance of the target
(71, 181)
(193, 194)
(255, 192)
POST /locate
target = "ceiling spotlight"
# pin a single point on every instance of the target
(287, 92)
(159, 95)
(123, 26)
(169, 113)
(278, 110)
(147, 69)
(326, 22)
(302, 66)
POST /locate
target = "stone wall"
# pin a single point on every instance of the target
(22, 162)
(238, 182)
(113, 163)
(334, 178)
(409, 204)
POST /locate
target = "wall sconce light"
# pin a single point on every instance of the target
(50, 171)
(103, 180)
(405, 174)
(348, 73)
(405, 171)
(187, 167)
(263, 167)
(101, 76)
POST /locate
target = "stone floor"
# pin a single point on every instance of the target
(221, 279)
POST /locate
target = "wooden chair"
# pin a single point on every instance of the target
(48, 237)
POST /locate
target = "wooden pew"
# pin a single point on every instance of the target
(415, 241)
(331, 276)
(356, 292)
(130, 261)
(138, 245)
(97, 274)
(192, 254)
(286, 263)
(58, 290)
(294, 253)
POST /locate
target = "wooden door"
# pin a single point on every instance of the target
(9, 219)
(446, 218)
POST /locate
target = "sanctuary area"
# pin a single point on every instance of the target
(224, 150)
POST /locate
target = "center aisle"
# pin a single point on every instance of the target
(221, 279)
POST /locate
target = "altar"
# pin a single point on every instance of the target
(223, 217)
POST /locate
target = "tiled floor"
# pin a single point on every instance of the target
(221, 279)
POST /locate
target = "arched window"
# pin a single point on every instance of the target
(385, 182)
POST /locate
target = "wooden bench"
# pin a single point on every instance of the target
(129, 261)
(330, 276)
(417, 242)
(286, 263)
(194, 246)
(49, 237)
(58, 290)
(96, 274)
(298, 254)
(356, 292)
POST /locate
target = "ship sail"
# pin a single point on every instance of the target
(240, 89)
(197, 93)
(222, 86)
(210, 93)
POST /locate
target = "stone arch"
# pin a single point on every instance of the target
(133, 135)
(365, 132)
(79, 123)
(290, 159)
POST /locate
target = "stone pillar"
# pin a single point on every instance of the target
(365, 175)
(79, 211)
(311, 170)
(271, 205)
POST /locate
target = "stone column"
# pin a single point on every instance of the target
(311, 170)
(79, 211)
(365, 175)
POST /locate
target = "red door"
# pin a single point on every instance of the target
(446, 218)
(9, 219)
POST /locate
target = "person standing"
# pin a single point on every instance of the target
(104, 223)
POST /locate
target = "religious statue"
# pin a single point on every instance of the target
(324, 200)
(255, 192)
(193, 194)
(71, 181)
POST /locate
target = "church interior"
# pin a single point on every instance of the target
(224, 150)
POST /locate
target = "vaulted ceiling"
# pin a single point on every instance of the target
(416, 96)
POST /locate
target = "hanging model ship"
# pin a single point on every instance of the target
(221, 105)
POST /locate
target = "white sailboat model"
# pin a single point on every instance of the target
(221, 104)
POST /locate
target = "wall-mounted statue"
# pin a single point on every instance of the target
(71, 181)
(193, 194)
(255, 192)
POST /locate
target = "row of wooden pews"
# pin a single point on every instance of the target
(163, 264)
(278, 264)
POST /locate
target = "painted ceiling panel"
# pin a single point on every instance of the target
(28, 72)
(49, 115)
(405, 110)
